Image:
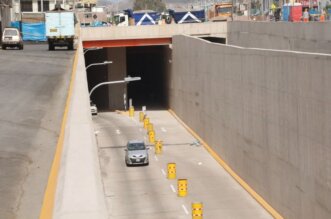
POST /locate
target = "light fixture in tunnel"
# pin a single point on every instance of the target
(101, 63)
(129, 78)
(125, 80)
(92, 49)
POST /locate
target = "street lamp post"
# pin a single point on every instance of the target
(91, 49)
(101, 63)
(125, 80)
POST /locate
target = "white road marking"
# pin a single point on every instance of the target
(118, 131)
(156, 158)
(185, 209)
(172, 188)
(163, 172)
(163, 129)
(200, 163)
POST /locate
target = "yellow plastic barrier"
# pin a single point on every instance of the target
(197, 210)
(182, 187)
(158, 147)
(141, 116)
(150, 127)
(171, 171)
(151, 136)
(146, 122)
(131, 111)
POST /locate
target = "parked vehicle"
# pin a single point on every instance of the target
(11, 37)
(136, 18)
(194, 16)
(60, 28)
(221, 11)
(136, 153)
(94, 109)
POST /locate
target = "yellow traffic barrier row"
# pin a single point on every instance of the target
(182, 187)
(151, 135)
(146, 122)
(150, 127)
(197, 207)
(158, 147)
(197, 210)
(171, 171)
(131, 111)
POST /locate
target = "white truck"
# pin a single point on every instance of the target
(60, 29)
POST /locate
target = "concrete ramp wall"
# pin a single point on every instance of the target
(309, 37)
(266, 113)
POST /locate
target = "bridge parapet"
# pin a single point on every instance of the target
(216, 29)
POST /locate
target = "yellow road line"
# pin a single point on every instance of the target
(254, 194)
(49, 196)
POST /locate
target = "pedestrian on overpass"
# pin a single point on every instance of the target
(306, 15)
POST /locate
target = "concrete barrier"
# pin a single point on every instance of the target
(80, 191)
(267, 113)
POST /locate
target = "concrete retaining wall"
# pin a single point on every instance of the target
(79, 191)
(266, 113)
(309, 37)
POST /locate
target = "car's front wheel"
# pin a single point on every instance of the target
(3, 47)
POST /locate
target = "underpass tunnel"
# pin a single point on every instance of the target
(151, 63)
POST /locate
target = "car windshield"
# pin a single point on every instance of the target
(136, 146)
(10, 33)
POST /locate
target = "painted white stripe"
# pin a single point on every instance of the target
(163, 172)
(172, 188)
(163, 129)
(118, 131)
(185, 209)
(156, 158)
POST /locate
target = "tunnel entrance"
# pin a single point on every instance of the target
(151, 64)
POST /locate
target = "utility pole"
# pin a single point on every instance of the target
(5, 6)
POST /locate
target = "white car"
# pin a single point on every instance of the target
(11, 38)
(94, 109)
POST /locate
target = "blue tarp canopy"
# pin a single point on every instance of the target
(34, 31)
(188, 16)
(16, 24)
(146, 18)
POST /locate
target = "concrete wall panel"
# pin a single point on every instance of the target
(309, 37)
(266, 113)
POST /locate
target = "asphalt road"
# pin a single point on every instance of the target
(33, 90)
(145, 192)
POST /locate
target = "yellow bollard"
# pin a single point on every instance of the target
(146, 122)
(151, 136)
(141, 116)
(158, 147)
(150, 127)
(197, 210)
(171, 171)
(182, 187)
(131, 111)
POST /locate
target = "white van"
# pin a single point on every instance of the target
(11, 37)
